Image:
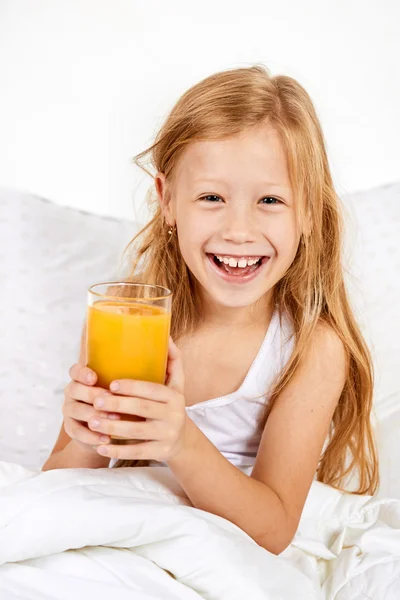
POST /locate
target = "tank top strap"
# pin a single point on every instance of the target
(272, 357)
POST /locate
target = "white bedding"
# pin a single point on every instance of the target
(82, 533)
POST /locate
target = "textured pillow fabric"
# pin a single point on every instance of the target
(49, 255)
(373, 280)
(373, 248)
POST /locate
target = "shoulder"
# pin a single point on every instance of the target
(325, 334)
(327, 345)
(322, 368)
(324, 347)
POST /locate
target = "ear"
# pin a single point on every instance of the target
(164, 198)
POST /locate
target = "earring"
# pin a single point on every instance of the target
(171, 229)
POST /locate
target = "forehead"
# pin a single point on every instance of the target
(254, 156)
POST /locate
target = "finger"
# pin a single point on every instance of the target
(131, 430)
(81, 433)
(83, 412)
(82, 374)
(127, 405)
(85, 393)
(175, 374)
(141, 451)
(141, 389)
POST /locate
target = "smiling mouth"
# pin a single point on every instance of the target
(239, 267)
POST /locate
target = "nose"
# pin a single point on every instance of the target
(239, 225)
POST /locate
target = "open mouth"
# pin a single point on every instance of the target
(240, 267)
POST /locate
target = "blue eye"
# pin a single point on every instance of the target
(275, 200)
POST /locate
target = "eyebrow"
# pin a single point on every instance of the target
(221, 181)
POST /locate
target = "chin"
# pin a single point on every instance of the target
(238, 299)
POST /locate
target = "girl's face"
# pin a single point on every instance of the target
(233, 207)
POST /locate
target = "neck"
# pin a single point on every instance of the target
(243, 317)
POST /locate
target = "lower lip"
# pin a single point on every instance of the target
(237, 278)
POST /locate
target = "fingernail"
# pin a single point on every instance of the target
(90, 378)
(102, 450)
(94, 423)
(104, 438)
(113, 416)
(99, 403)
(114, 387)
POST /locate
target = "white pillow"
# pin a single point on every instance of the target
(373, 280)
(373, 245)
(49, 255)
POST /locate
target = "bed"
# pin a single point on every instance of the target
(152, 543)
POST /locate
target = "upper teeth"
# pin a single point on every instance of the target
(233, 262)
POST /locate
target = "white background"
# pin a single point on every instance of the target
(86, 83)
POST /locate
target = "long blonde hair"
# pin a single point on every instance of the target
(312, 290)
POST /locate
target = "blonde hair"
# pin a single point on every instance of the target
(312, 290)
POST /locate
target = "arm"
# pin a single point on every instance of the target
(215, 485)
(73, 455)
(268, 504)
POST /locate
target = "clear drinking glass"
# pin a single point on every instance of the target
(128, 326)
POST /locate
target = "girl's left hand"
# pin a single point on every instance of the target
(162, 407)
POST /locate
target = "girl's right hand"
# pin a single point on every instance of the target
(78, 408)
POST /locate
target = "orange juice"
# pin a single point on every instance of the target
(127, 340)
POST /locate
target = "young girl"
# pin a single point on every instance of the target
(269, 369)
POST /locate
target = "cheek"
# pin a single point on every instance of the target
(285, 238)
(194, 231)
(193, 236)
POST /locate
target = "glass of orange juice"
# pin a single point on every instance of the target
(128, 326)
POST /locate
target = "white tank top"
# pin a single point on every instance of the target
(230, 422)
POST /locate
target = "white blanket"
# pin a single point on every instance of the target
(133, 533)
